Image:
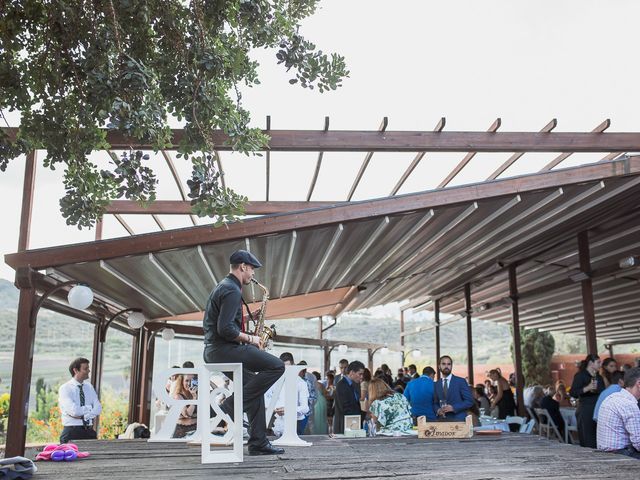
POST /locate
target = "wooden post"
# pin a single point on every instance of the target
(467, 299)
(517, 350)
(370, 359)
(587, 293)
(437, 333)
(134, 389)
(402, 335)
(146, 380)
(320, 328)
(25, 327)
(21, 375)
(326, 350)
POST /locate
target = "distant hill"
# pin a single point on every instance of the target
(8, 295)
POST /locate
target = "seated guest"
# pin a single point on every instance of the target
(481, 399)
(618, 428)
(553, 407)
(302, 400)
(562, 396)
(617, 379)
(389, 409)
(185, 388)
(537, 396)
(419, 393)
(78, 404)
(347, 395)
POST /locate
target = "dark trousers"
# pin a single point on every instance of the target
(629, 452)
(260, 370)
(77, 433)
(586, 426)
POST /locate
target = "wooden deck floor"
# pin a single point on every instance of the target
(509, 456)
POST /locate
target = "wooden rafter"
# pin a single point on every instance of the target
(176, 178)
(365, 162)
(512, 159)
(415, 161)
(124, 224)
(467, 158)
(318, 164)
(192, 236)
(563, 156)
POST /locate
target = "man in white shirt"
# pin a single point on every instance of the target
(302, 407)
(78, 403)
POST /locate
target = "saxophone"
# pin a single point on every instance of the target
(265, 333)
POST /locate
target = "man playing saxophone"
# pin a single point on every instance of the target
(225, 341)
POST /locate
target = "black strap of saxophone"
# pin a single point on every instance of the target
(248, 311)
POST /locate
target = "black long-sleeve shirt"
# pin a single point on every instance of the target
(223, 316)
(581, 380)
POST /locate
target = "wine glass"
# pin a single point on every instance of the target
(443, 403)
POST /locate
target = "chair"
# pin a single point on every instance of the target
(528, 427)
(568, 437)
(547, 425)
(520, 421)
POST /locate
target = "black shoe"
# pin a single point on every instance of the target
(267, 449)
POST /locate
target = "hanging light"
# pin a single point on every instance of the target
(417, 353)
(384, 350)
(80, 297)
(343, 348)
(136, 320)
(168, 334)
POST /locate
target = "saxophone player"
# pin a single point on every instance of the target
(226, 341)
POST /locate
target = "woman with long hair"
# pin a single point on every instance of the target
(503, 399)
(389, 409)
(609, 365)
(586, 386)
(184, 388)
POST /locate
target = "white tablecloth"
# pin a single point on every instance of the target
(490, 423)
(569, 416)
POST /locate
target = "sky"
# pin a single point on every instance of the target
(414, 62)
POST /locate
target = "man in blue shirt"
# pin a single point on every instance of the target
(617, 384)
(419, 393)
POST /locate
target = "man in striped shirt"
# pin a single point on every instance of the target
(619, 418)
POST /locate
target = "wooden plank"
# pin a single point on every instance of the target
(192, 236)
(365, 162)
(405, 141)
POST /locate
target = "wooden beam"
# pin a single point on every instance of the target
(562, 157)
(512, 159)
(437, 333)
(467, 158)
(415, 161)
(27, 201)
(206, 234)
(405, 141)
(177, 207)
(365, 162)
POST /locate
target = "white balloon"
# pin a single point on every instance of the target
(136, 320)
(343, 348)
(80, 297)
(168, 334)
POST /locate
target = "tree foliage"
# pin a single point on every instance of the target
(537, 349)
(75, 68)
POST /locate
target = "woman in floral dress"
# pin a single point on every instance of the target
(390, 410)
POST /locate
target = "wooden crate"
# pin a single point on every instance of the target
(445, 429)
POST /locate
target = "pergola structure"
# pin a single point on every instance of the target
(539, 250)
